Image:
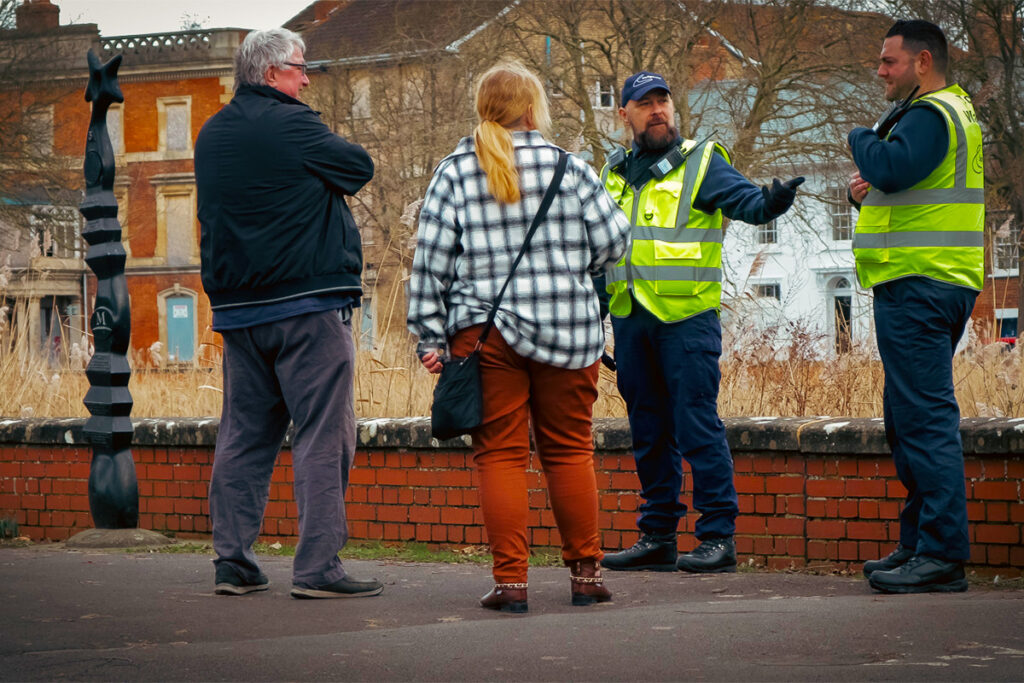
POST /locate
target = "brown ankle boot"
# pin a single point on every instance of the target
(587, 584)
(506, 597)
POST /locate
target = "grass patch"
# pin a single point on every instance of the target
(414, 552)
(449, 554)
(388, 551)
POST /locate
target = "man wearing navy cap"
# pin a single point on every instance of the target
(665, 301)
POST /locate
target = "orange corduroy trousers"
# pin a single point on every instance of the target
(518, 392)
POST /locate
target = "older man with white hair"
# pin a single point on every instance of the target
(281, 263)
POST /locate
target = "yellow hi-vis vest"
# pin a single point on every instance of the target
(673, 265)
(934, 229)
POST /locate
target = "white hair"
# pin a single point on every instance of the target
(261, 50)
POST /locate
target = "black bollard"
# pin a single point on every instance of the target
(113, 488)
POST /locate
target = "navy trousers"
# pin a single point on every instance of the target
(298, 369)
(918, 323)
(668, 375)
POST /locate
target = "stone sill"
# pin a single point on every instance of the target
(851, 436)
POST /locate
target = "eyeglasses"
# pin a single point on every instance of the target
(301, 67)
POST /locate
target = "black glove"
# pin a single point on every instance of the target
(779, 197)
(608, 361)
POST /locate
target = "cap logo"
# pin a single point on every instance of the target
(644, 78)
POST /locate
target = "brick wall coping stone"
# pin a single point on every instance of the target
(820, 435)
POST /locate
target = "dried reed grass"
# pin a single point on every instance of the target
(761, 375)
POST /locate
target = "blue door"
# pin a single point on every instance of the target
(181, 335)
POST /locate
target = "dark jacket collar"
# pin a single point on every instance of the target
(267, 91)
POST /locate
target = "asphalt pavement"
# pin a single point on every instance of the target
(110, 615)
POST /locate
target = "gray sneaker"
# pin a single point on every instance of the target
(894, 560)
(346, 587)
(229, 582)
(921, 574)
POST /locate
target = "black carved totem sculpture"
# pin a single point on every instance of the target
(113, 488)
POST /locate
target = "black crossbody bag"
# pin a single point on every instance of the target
(458, 396)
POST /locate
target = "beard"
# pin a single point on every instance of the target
(657, 137)
(899, 91)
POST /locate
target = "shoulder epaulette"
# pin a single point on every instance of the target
(617, 158)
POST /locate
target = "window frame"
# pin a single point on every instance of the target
(767, 233)
(162, 106)
(840, 211)
(767, 290)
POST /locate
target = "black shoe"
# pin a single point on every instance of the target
(342, 588)
(921, 574)
(229, 582)
(896, 558)
(653, 552)
(713, 555)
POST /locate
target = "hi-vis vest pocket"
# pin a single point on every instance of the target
(871, 255)
(674, 251)
(867, 247)
(870, 247)
(661, 205)
(673, 187)
(677, 254)
(680, 287)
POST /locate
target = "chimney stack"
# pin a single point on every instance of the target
(37, 16)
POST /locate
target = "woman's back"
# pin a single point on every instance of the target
(469, 240)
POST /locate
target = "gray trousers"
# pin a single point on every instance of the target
(298, 369)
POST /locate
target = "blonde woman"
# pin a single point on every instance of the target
(539, 365)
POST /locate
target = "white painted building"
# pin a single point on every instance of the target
(796, 276)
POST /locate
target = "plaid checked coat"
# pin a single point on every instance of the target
(467, 243)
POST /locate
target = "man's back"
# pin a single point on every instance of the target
(271, 181)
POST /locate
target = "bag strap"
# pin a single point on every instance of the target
(545, 204)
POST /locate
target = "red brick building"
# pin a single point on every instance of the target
(172, 83)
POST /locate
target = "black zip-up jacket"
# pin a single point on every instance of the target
(271, 179)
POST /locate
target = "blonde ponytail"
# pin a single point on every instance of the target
(504, 95)
(496, 153)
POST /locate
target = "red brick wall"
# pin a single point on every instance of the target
(796, 509)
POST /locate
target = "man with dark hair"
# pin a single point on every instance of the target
(919, 36)
(665, 300)
(919, 245)
(281, 263)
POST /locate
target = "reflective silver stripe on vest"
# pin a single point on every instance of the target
(678, 273)
(960, 174)
(919, 238)
(652, 232)
(968, 195)
(958, 194)
(685, 194)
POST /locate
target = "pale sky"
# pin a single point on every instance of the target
(126, 17)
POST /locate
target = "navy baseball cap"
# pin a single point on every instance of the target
(639, 84)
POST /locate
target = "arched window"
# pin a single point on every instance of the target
(178, 331)
(842, 314)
